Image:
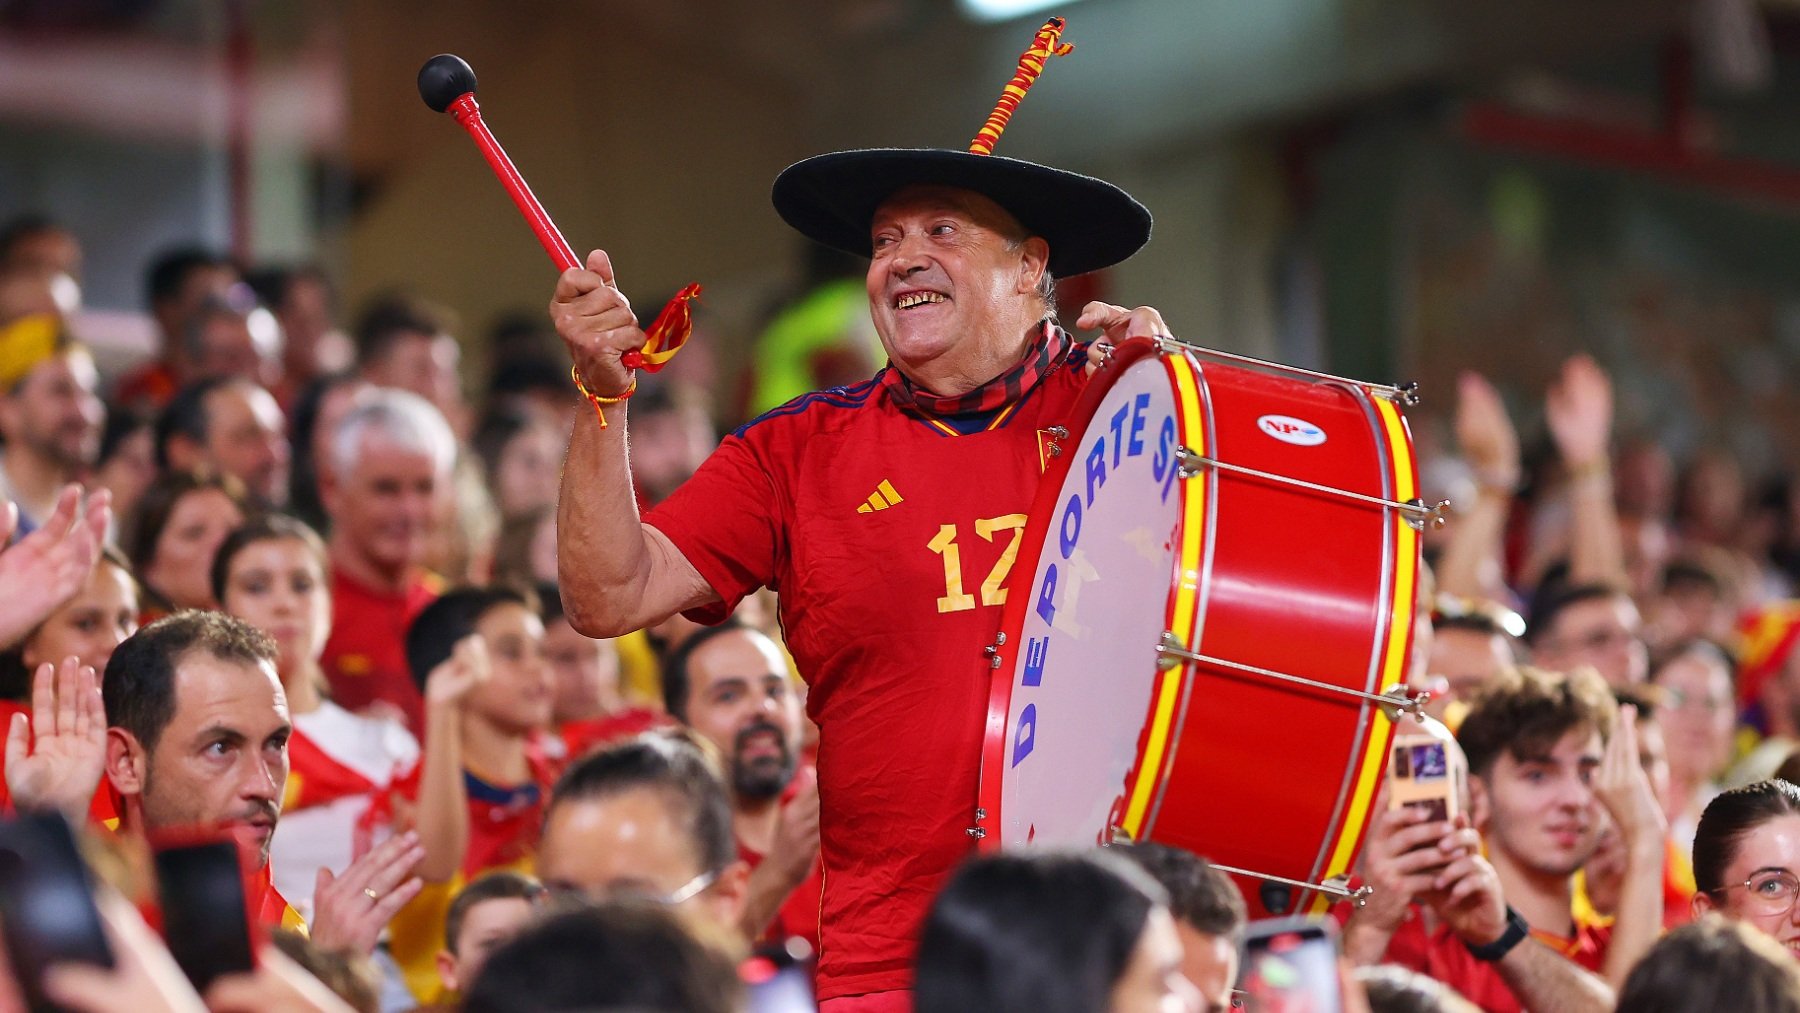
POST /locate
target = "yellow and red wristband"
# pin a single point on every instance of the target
(597, 400)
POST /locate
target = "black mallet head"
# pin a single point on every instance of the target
(444, 79)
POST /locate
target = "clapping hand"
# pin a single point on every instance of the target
(50, 565)
(1485, 433)
(1579, 409)
(350, 910)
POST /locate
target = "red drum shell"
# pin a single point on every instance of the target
(1090, 739)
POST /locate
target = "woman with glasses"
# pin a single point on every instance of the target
(1698, 714)
(1747, 858)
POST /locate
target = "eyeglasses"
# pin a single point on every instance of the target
(639, 892)
(691, 889)
(1771, 891)
(1599, 640)
(1681, 700)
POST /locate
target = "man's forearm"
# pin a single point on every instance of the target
(1638, 921)
(1545, 981)
(1365, 943)
(601, 560)
(1470, 564)
(1596, 546)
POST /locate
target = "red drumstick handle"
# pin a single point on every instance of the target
(447, 84)
(468, 114)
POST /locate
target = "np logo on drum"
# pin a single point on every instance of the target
(1288, 429)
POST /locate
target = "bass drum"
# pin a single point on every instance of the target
(1213, 592)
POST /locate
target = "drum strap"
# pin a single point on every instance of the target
(1051, 348)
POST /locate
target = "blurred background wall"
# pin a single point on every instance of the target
(1389, 188)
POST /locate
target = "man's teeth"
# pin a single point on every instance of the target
(912, 299)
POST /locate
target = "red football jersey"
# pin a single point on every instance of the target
(1437, 952)
(365, 659)
(889, 537)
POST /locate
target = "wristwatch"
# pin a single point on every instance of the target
(1516, 931)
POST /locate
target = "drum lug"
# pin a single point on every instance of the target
(1188, 463)
(993, 650)
(978, 832)
(1423, 515)
(1398, 701)
(1057, 434)
(1406, 395)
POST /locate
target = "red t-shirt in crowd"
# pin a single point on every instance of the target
(1440, 953)
(149, 388)
(888, 537)
(365, 659)
(581, 737)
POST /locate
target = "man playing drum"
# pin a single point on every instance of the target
(887, 514)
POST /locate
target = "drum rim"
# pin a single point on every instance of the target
(990, 781)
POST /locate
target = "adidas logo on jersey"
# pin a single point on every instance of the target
(883, 497)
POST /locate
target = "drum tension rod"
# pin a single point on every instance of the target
(1417, 513)
(1406, 395)
(1116, 834)
(1170, 654)
(1357, 897)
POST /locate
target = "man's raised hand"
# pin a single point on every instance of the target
(57, 757)
(1579, 409)
(1485, 433)
(595, 321)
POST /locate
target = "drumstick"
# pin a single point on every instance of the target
(447, 84)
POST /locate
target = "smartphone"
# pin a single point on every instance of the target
(46, 902)
(1426, 769)
(1291, 966)
(205, 918)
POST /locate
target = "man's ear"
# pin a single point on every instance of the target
(127, 766)
(446, 967)
(184, 453)
(1480, 806)
(730, 893)
(327, 478)
(1034, 260)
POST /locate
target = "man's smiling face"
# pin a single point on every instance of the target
(952, 274)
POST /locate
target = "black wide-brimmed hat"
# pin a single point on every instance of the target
(1089, 223)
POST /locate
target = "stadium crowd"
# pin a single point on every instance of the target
(289, 579)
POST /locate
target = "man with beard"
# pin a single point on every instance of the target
(730, 684)
(50, 416)
(1551, 760)
(194, 736)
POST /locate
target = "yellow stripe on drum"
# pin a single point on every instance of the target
(1393, 668)
(1182, 612)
